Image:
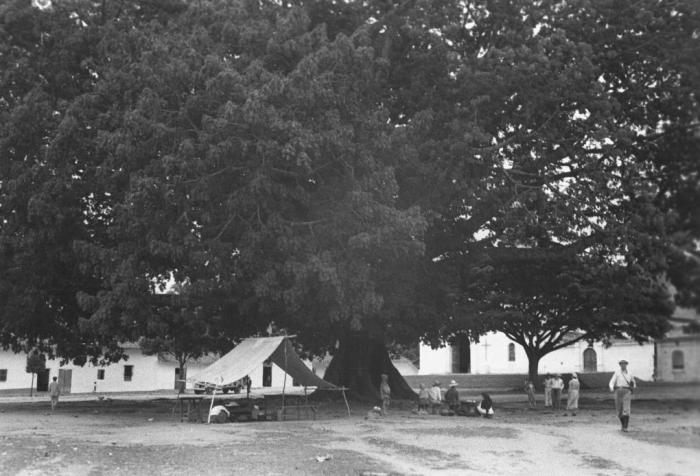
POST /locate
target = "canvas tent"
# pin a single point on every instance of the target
(251, 354)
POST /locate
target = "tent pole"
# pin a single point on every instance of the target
(346, 402)
(211, 405)
(284, 384)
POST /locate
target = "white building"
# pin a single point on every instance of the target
(497, 354)
(139, 373)
(678, 354)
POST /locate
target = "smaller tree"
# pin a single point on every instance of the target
(183, 330)
(546, 300)
(36, 363)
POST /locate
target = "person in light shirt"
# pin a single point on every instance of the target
(622, 384)
(557, 386)
(435, 397)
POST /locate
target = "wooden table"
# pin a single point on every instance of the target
(193, 403)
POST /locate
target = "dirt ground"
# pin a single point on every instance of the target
(144, 437)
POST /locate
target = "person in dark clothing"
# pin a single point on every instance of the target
(452, 397)
(485, 407)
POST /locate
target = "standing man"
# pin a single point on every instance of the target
(572, 399)
(623, 384)
(54, 392)
(557, 387)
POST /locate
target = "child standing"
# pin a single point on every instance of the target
(385, 392)
(423, 400)
(530, 391)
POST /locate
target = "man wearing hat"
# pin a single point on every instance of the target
(623, 384)
(452, 397)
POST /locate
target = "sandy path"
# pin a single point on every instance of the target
(473, 446)
(151, 442)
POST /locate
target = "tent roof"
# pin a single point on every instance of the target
(250, 354)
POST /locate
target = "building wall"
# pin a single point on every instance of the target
(149, 374)
(490, 356)
(15, 364)
(434, 361)
(690, 348)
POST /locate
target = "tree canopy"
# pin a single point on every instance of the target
(554, 157)
(382, 169)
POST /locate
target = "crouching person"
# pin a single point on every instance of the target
(219, 414)
(485, 406)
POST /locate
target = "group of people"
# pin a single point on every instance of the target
(431, 400)
(553, 388)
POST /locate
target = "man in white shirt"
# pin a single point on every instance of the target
(623, 384)
(435, 397)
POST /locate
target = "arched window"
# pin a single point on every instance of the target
(590, 360)
(677, 360)
(511, 352)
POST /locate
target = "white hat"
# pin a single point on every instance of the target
(453, 383)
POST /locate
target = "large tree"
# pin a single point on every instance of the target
(238, 149)
(564, 152)
(276, 159)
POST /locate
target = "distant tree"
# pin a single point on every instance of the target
(184, 330)
(36, 363)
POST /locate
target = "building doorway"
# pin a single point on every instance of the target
(590, 360)
(461, 357)
(65, 378)
(267, 374)
(42, 381)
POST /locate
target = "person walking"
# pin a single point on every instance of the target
(623, 384)
(557, 387)
(54, 393)
(572, 397)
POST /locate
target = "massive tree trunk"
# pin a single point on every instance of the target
(359, 364)
(533, 363)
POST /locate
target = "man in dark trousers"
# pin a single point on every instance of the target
(623, 384)
(54, 392)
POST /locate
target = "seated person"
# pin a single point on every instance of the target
(219, 414)
(435, 397)
(452, 398)
(485, 407)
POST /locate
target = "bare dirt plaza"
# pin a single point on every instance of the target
(140, 435)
